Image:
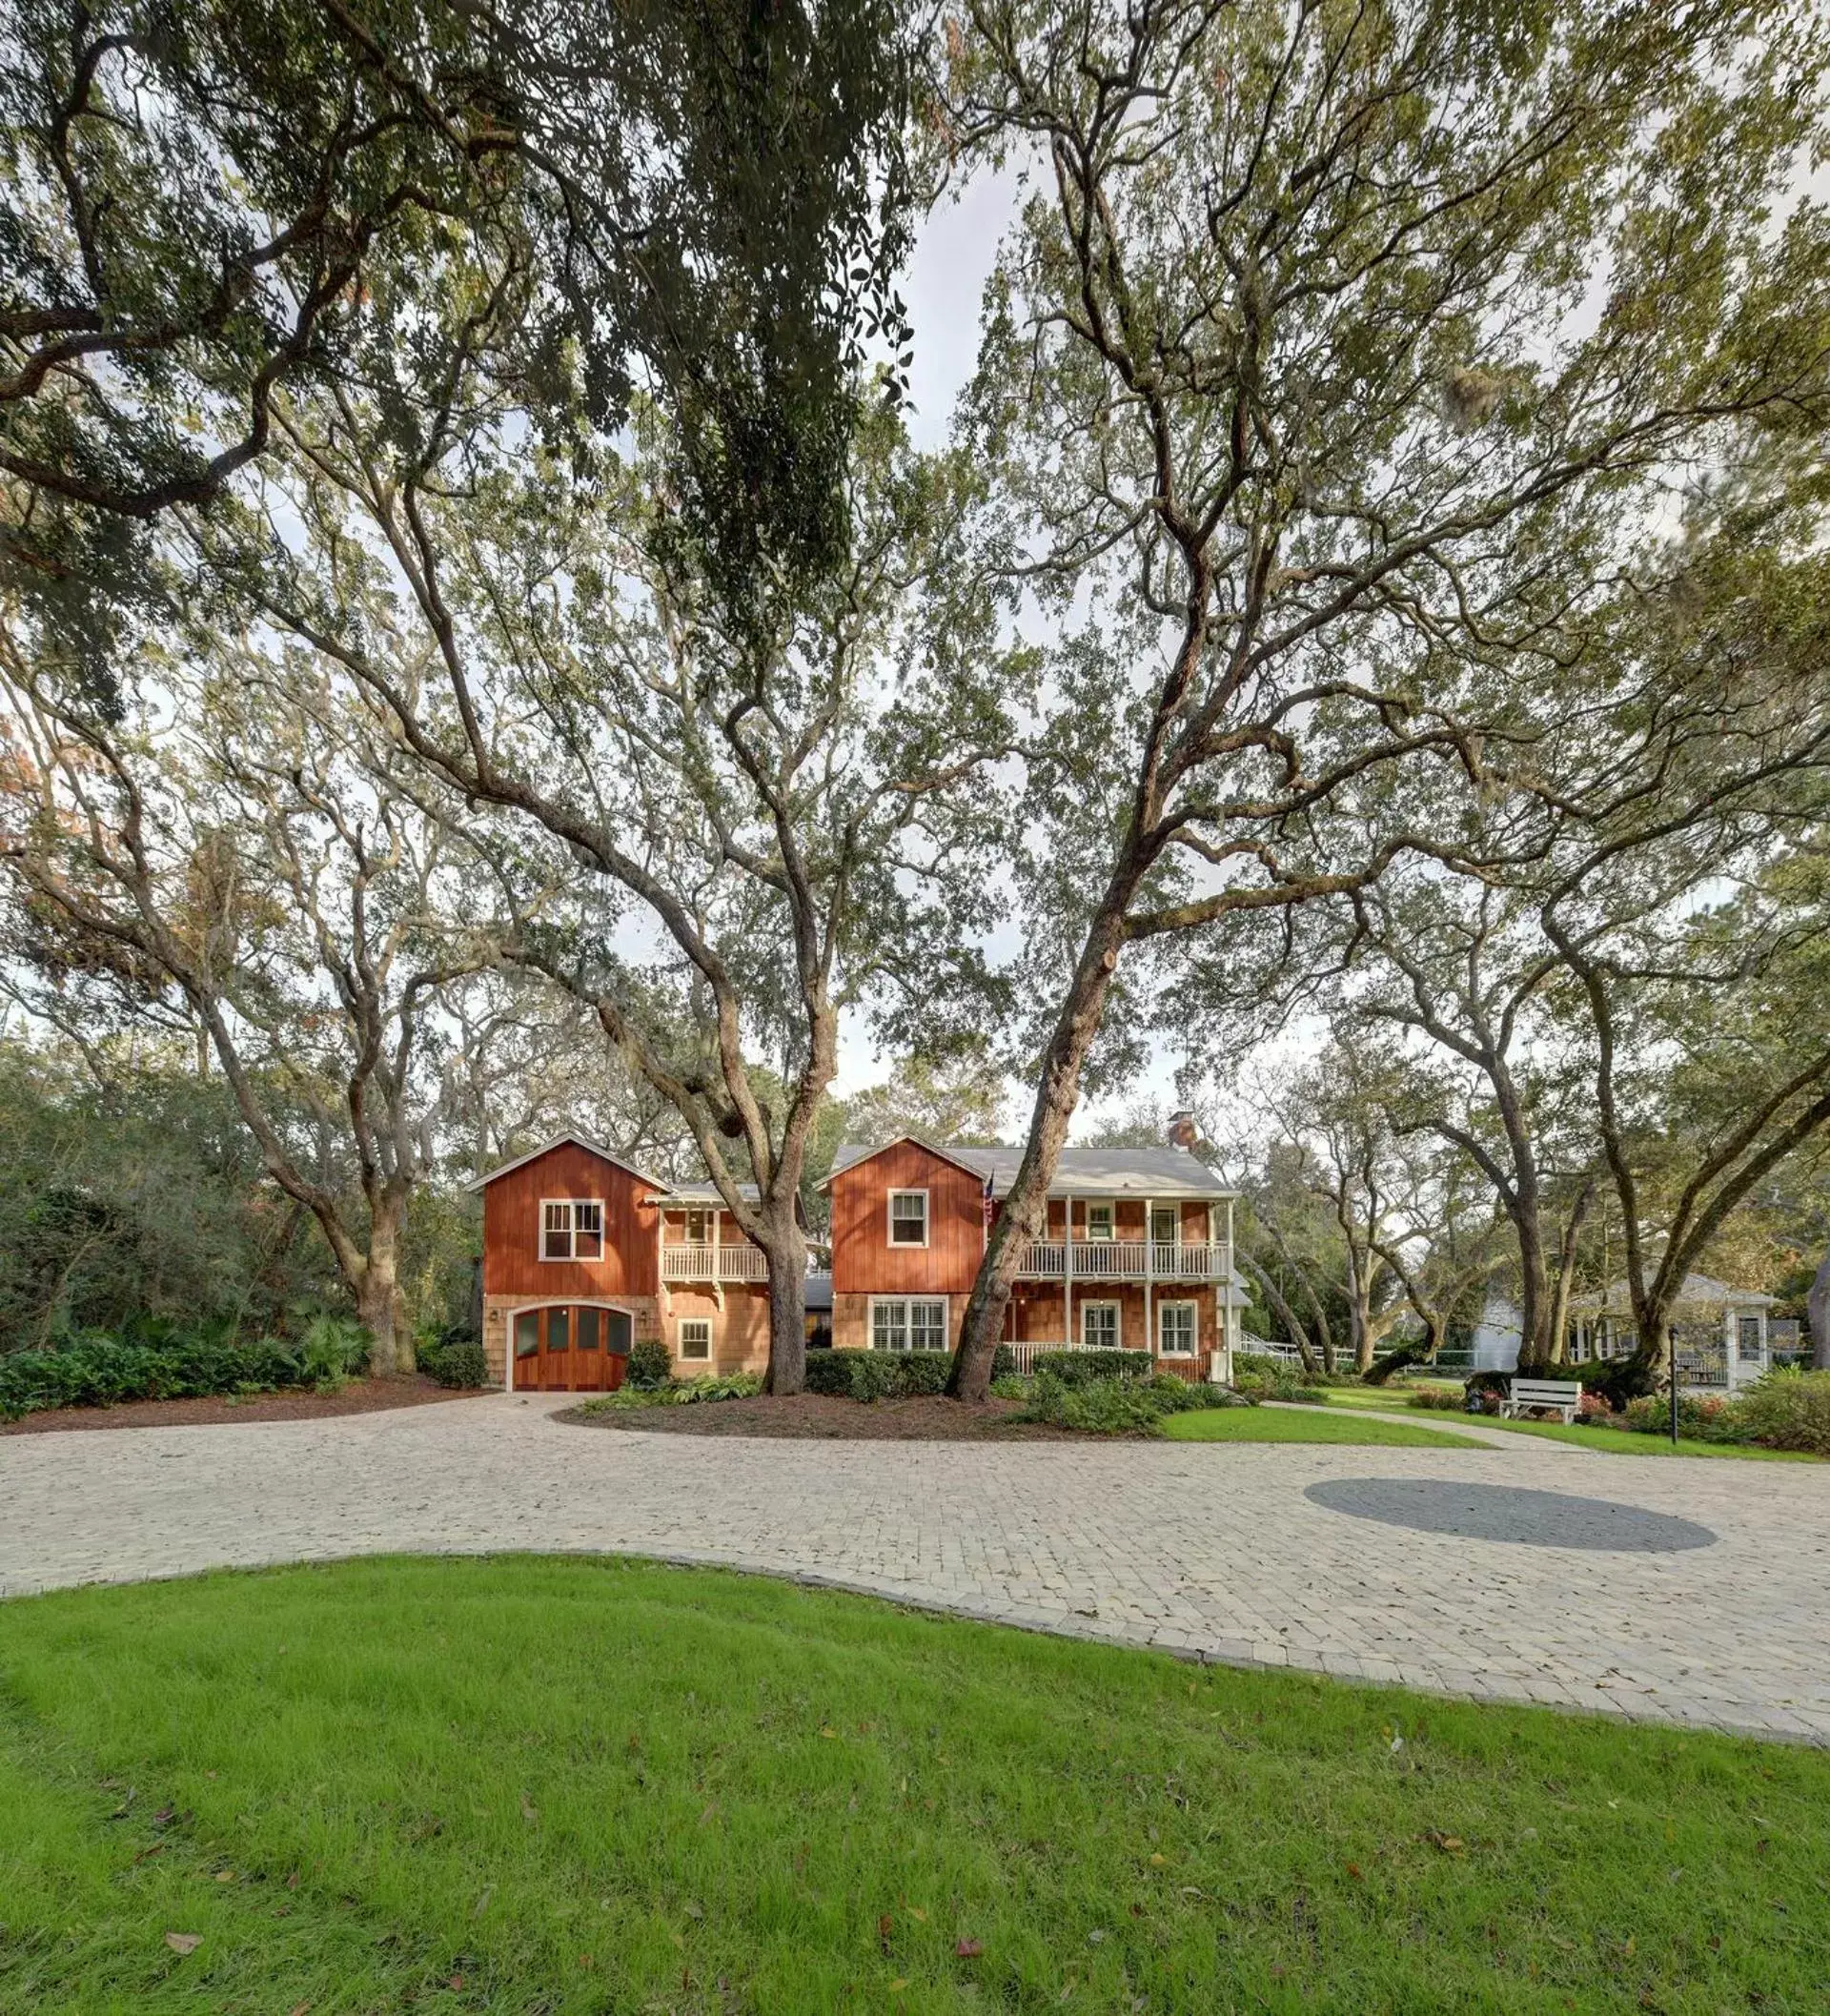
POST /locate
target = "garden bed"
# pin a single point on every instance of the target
(921, 1417)
(300, 1403)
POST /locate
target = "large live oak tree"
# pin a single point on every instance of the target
(1328, 338)
(228, 844)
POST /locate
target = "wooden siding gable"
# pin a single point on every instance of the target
(512, 1263)
(863, 1262)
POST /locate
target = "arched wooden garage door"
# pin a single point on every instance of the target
(571, 1347)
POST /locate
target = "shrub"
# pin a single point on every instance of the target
(1254, 1365)
(726, 1386)
(650, 1368)
(1009, 1386)
(1283, 1384)
(829, 1372)
(877, 1374)
(1790, 1409)
(1442, 1399)
(1191, 1396)
(1099, 1406)
(96, 1369)
(925, 1372)
(1700, 1418)
(334, 1349)
(1003, 1363)
(1082, 1368)
(455, 1361)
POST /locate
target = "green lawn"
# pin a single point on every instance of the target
(1387, 1396)
(567, 1785)
(1267, 1424)
(1625, 1441)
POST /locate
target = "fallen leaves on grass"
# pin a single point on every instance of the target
(968, 1949)
(184, 1942)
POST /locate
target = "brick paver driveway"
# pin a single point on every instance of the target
(1215, 1551)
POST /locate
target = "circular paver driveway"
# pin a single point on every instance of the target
(1221, 1550)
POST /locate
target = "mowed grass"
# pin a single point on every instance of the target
(558, 1784)
(1627, 1441)
(1267, 1424)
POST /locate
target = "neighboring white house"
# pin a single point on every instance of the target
(1719, 1332)
(1494, 1342)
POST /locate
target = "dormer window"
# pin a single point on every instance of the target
(572, 1229)
(908, 1218)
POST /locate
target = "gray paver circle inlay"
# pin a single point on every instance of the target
(1507, 1513)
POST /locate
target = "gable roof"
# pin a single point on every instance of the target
(1696, 1291)
(1164, 1173)
(569, 1138)
(697, 1194)
(852, 1153)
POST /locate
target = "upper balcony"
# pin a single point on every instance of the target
(713, 1263)
(1124, 1260)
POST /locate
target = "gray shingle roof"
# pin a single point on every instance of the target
(1082, 1173)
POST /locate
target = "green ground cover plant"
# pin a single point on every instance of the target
(574, 1786)
(678, 1393)
(163, 1361)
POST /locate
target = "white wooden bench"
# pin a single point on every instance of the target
(1563, 1396)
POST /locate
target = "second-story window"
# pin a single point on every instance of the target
(1099, 1221)
(908, 1218)
(572, 1229)
(699, 1228)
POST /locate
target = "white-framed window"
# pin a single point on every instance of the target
(1166, 1224)
(1747, 1337)
(1099, 1326)
(699, 1228)
(1099, 1221)
(695, 1340)
(1177, 1330)
(908, 1322)
(908, 1218)
(572, 1229)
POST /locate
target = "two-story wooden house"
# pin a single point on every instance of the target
(1136, 1254)
(585, 1254)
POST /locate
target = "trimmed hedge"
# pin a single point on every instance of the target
(1081, 1367)
(102, 1370)
(877, 1374)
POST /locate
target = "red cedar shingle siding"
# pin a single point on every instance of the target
(863, 1262)
(512, 1263)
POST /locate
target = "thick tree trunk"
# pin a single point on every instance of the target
(380, 1306)
(1056, 1096)
(787, 1248)
(1816, 1308)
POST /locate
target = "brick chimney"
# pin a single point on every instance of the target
(1184, 1133)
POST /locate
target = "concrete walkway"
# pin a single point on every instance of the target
(1215, 1551)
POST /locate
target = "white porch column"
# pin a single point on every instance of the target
(1150, 1275)
(1068, 1268)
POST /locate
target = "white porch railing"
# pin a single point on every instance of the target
(713, 1263)
(1026, 1351)
(1124, 1260)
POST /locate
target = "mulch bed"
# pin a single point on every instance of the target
(823, 1418)
(302, 1404)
